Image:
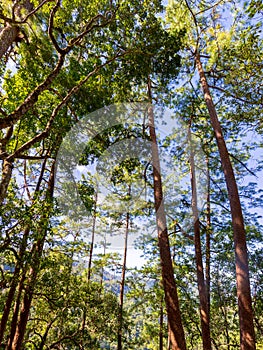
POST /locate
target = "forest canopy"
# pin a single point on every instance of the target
(131, 128)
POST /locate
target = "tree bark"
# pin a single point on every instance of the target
(16, 310)
(7, 169)
(10, 32)
(247, 334)
(7, 166)
(7, 36)
(170, 288)
(161, 326)
(205, 326)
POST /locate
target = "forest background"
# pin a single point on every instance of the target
(83, 85)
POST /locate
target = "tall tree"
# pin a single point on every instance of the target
(247, 335)
(203, 296)
(170, 288)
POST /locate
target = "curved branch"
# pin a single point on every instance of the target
(31, 13)
(45, 133)
(51, 26)
(243, 164)
(32, 98)
(195, 23)
(232, 95)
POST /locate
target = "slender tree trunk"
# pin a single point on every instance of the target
(223, 308)
(170, 288)
(92, 234)
(122, 286)
(17, 342)
(161, 326)
(7, 166)
(20, 263)
(247, 334)
(14, 283)
(18, 336)
(104, 253)
(7, 169)
(208, 239)
(206, 338)
(16, 311)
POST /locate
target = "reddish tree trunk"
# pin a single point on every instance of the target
(206, 337)
(14, 283)
(17, 342)
(161, 326)
(170, 288)
(208, 239)
(16, 311)
(247, 334)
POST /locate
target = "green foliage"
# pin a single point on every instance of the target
(67, 310)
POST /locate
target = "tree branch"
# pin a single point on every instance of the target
(45, 133)
(232, 95)
(243, 164)
(32, 98)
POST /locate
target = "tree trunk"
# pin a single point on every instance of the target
(14, 283)
(7, 36)
(10, 32)
(17, 342)
(206, 338)
(16, 311)
(20, 263)
(247, 334)
(120, 316)
(104, 253)
(169, 338)
(161, 326)
(208, 239)
(7, 169)
(7, 166)
(92, 234)
(170, 288)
